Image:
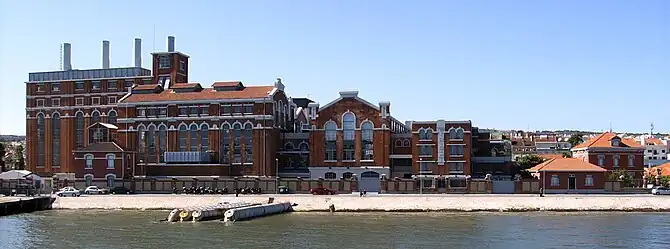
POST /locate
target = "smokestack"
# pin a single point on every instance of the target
(138, 52)
(105, 54)
(170, 43)
(67, 56)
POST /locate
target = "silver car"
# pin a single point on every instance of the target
(660, 190)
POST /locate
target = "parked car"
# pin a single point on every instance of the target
(660, 190)
(321, 191)
(283, 190)
(69, 191)
(120, 190)
(94, 190)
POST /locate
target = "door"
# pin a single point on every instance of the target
(572, 182)
(369, 181)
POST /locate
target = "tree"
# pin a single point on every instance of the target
(2, 157)
(621, 175)
(575, 139)
(529, 161)
(19, 160)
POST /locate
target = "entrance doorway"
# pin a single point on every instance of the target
(572, 182)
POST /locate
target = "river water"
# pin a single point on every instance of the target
(138, 230)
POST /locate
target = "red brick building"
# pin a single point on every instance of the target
(612, 153)
(570, 175)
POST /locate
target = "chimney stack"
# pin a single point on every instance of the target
(105, 54)
(67, 56)
(138, 52)
(170, 43)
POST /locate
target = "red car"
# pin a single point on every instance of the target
(321, 191)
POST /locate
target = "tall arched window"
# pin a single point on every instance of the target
(204, 137)
(368, 141)
(275, 117)
(40, 139)
(285, 116)
(248, 139)
(194, 137)
(110, 180)
(151, 143)
(460, 133)
(348, 130)
(225, 143)
(183, 137)
(429, 134)
(79, 129)
(422, 134)
(141, 142)
(111, 117)
(162, 141)
(452, 133)
(95, 117)
(331, 141)
(55, 140)
(237, 143)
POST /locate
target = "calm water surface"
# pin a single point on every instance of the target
(138, 230)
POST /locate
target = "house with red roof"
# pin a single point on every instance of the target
(612, 152)
(570, 175)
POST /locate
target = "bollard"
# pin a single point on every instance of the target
(271, 200)
(331, 208)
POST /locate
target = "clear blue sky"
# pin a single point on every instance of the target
(502, 64)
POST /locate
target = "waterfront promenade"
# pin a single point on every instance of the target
(384, 203)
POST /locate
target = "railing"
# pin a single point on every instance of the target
(187, 157)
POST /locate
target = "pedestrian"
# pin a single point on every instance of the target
(360, 193)
(365, 192)
(237, 192)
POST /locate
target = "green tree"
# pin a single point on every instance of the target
(575, 139)
(2, 157)
(19, 160)
(529, 161)
(621, 175)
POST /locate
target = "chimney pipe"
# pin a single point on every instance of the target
(138, 52)
(67, 56)
(105, 54)
(170, 43)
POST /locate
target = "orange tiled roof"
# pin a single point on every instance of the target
(566, 165)
(604, 141)
(654, 141)
(665, 170)
(551, 156)
(548, 139)
(250, 92)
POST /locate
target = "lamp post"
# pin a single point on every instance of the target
(420, 176)
(276, 175)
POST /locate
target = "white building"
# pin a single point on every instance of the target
(656, 150)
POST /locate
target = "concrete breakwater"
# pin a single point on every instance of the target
(387, 203)
(17, 205)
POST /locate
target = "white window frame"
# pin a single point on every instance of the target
(55, 102)
(111, 161)
(555, 181)
(588, 181)
(88, 161)
(39, 103)
(40, 87)
(111, 99)
(95, 100)
(79, 101)
(93, 85)
(616, 160)
(631, 161)
(55, 87)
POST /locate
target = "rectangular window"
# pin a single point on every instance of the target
(40, 87)
(331, 151)
(163, 111)
(349, 150)
(456, 167)
(79, 85)
(112, 84)
(588, 181)
(238, 109)
(616, 161)
(183, 111)
(204, 110)
(110, 162)
(601, 160)
(79, 101)
(182, 66)
(142, 113)
(95, 85)
(95, 100)
(55, 87)
(89, 162)
(456, 150)
(249, 109)
(194, 110)
(128, 83)
(55, 102)
(40, 103)
(226, 109)
(163, 61)
(425, 150)
(555, 181)
(631, 161)
(111, 100)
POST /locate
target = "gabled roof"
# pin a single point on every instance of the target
(665, 170)
(653, 141)
(101, 147)
(106, 125)
(604, 140)
(566, 165)
(349, 94)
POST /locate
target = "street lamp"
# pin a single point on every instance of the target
(420, 176)
(276, 175)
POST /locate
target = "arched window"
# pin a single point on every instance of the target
(55, 140)
(110, 161)
(331, 141)
(79, 129)
(204, 137)
(225, 143)
(110, 180)
(452, 134)
(422, 134)
(162, 141)
(285, 116)
(275, 117)
(89, 161)
(460, 133)
(151, 143)
(194, 137)
(347, 175)
(289, 146)
(141, 142)
(406, 143)
(111, 117)
(304, 147)
(95, 117)
(429, 134)
(89, 180)
(367, 141)
(237, 143)
(398, 143)
(40, 140)
(183, 137)
(348, 130)
(248, 139)
(330, 175)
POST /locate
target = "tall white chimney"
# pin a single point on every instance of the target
(105, 54)
(138, 52)
(170, 43)
(67, 56)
